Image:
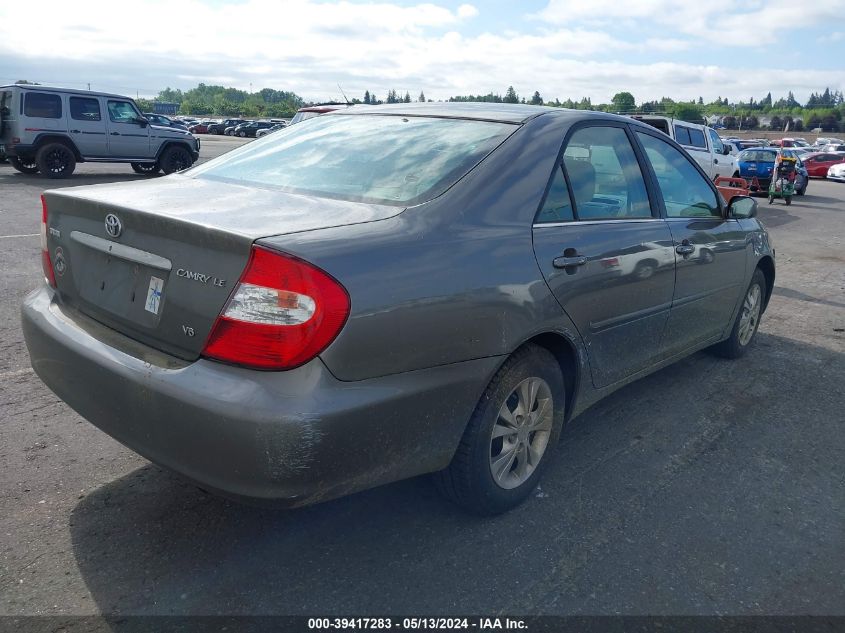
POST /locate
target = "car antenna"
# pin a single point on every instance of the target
(344, 95)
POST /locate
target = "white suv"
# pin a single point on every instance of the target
(49, 130)
(700, 141)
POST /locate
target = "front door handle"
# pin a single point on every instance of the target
(564, 262)
(115, 133)
(74, 131)
(685, 248)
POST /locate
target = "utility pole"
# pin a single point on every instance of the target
(89, 86)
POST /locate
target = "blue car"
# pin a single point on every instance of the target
(757, 162)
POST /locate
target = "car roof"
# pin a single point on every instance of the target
(87, 93)
(496, 112)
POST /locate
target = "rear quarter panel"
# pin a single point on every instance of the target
(450, 280)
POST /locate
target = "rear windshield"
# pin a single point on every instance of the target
(366, 158)
(757, 156)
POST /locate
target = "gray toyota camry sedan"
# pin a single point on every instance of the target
(383, 292)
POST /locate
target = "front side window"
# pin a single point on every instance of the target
(84, 109)
(686, 193)
(122, 112)
(43, 105)
(605, 176)
(718, 146)
(365, 158)
(557, 206)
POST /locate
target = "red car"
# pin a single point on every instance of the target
(817, 164)
(199, 128)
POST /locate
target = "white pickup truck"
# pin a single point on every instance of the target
(700, 142)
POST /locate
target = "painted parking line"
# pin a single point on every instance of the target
(22, 235)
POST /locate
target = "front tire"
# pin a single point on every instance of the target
(510, 437)
(175, 159)
(242, 134)
(55, 160)
(24, 165)
(747, 321)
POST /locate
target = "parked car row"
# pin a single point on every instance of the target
(235, 127)
(756, 158)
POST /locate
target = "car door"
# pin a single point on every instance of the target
(605, 252)
(723, 162)
(127, 137)
(693, 141)
(87, 126)
(711, 252)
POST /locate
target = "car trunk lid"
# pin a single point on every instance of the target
(158, 260)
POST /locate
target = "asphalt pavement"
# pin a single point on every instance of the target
(711, 487)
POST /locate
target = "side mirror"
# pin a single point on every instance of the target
(742, 208)
(141, 121)
(726, 150)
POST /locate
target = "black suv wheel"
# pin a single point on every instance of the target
(146, 168)
(55, 160)
(175, 158)
(24, 165)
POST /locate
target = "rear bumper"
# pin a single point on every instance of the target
(295, 437)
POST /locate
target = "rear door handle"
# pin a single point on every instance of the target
(115, 133)
(74, 131)
(564, 262)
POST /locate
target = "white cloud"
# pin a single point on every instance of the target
(309, 47)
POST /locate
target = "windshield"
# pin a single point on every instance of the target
(364, 158)
(754, 156)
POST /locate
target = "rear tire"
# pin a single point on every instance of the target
(24, 165)
(788, 200)
(510, 437)
(175, 158)
(146, 169)
(242, 134)
(747, 321)
(55, 160)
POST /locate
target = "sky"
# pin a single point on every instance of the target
(562, 48)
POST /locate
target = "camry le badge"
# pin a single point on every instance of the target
(113, 226)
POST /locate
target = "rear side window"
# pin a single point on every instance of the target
(84, 109)
(686, 193)
(690, 137)
(606, 180)
(365, 158)
(557, 206)
(43, 105)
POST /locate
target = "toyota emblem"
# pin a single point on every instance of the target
(113, 226)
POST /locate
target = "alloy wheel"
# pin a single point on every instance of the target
(750, 314)
(521, 433)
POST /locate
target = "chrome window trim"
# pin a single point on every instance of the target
(541, 225)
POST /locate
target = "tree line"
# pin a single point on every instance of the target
(825, 109)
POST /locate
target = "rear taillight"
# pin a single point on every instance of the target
(283, 312)
(46, 264)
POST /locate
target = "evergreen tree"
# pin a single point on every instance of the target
(407, 97)
(511, 96)
(421, 98)
(536, 99)
(367, 97)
